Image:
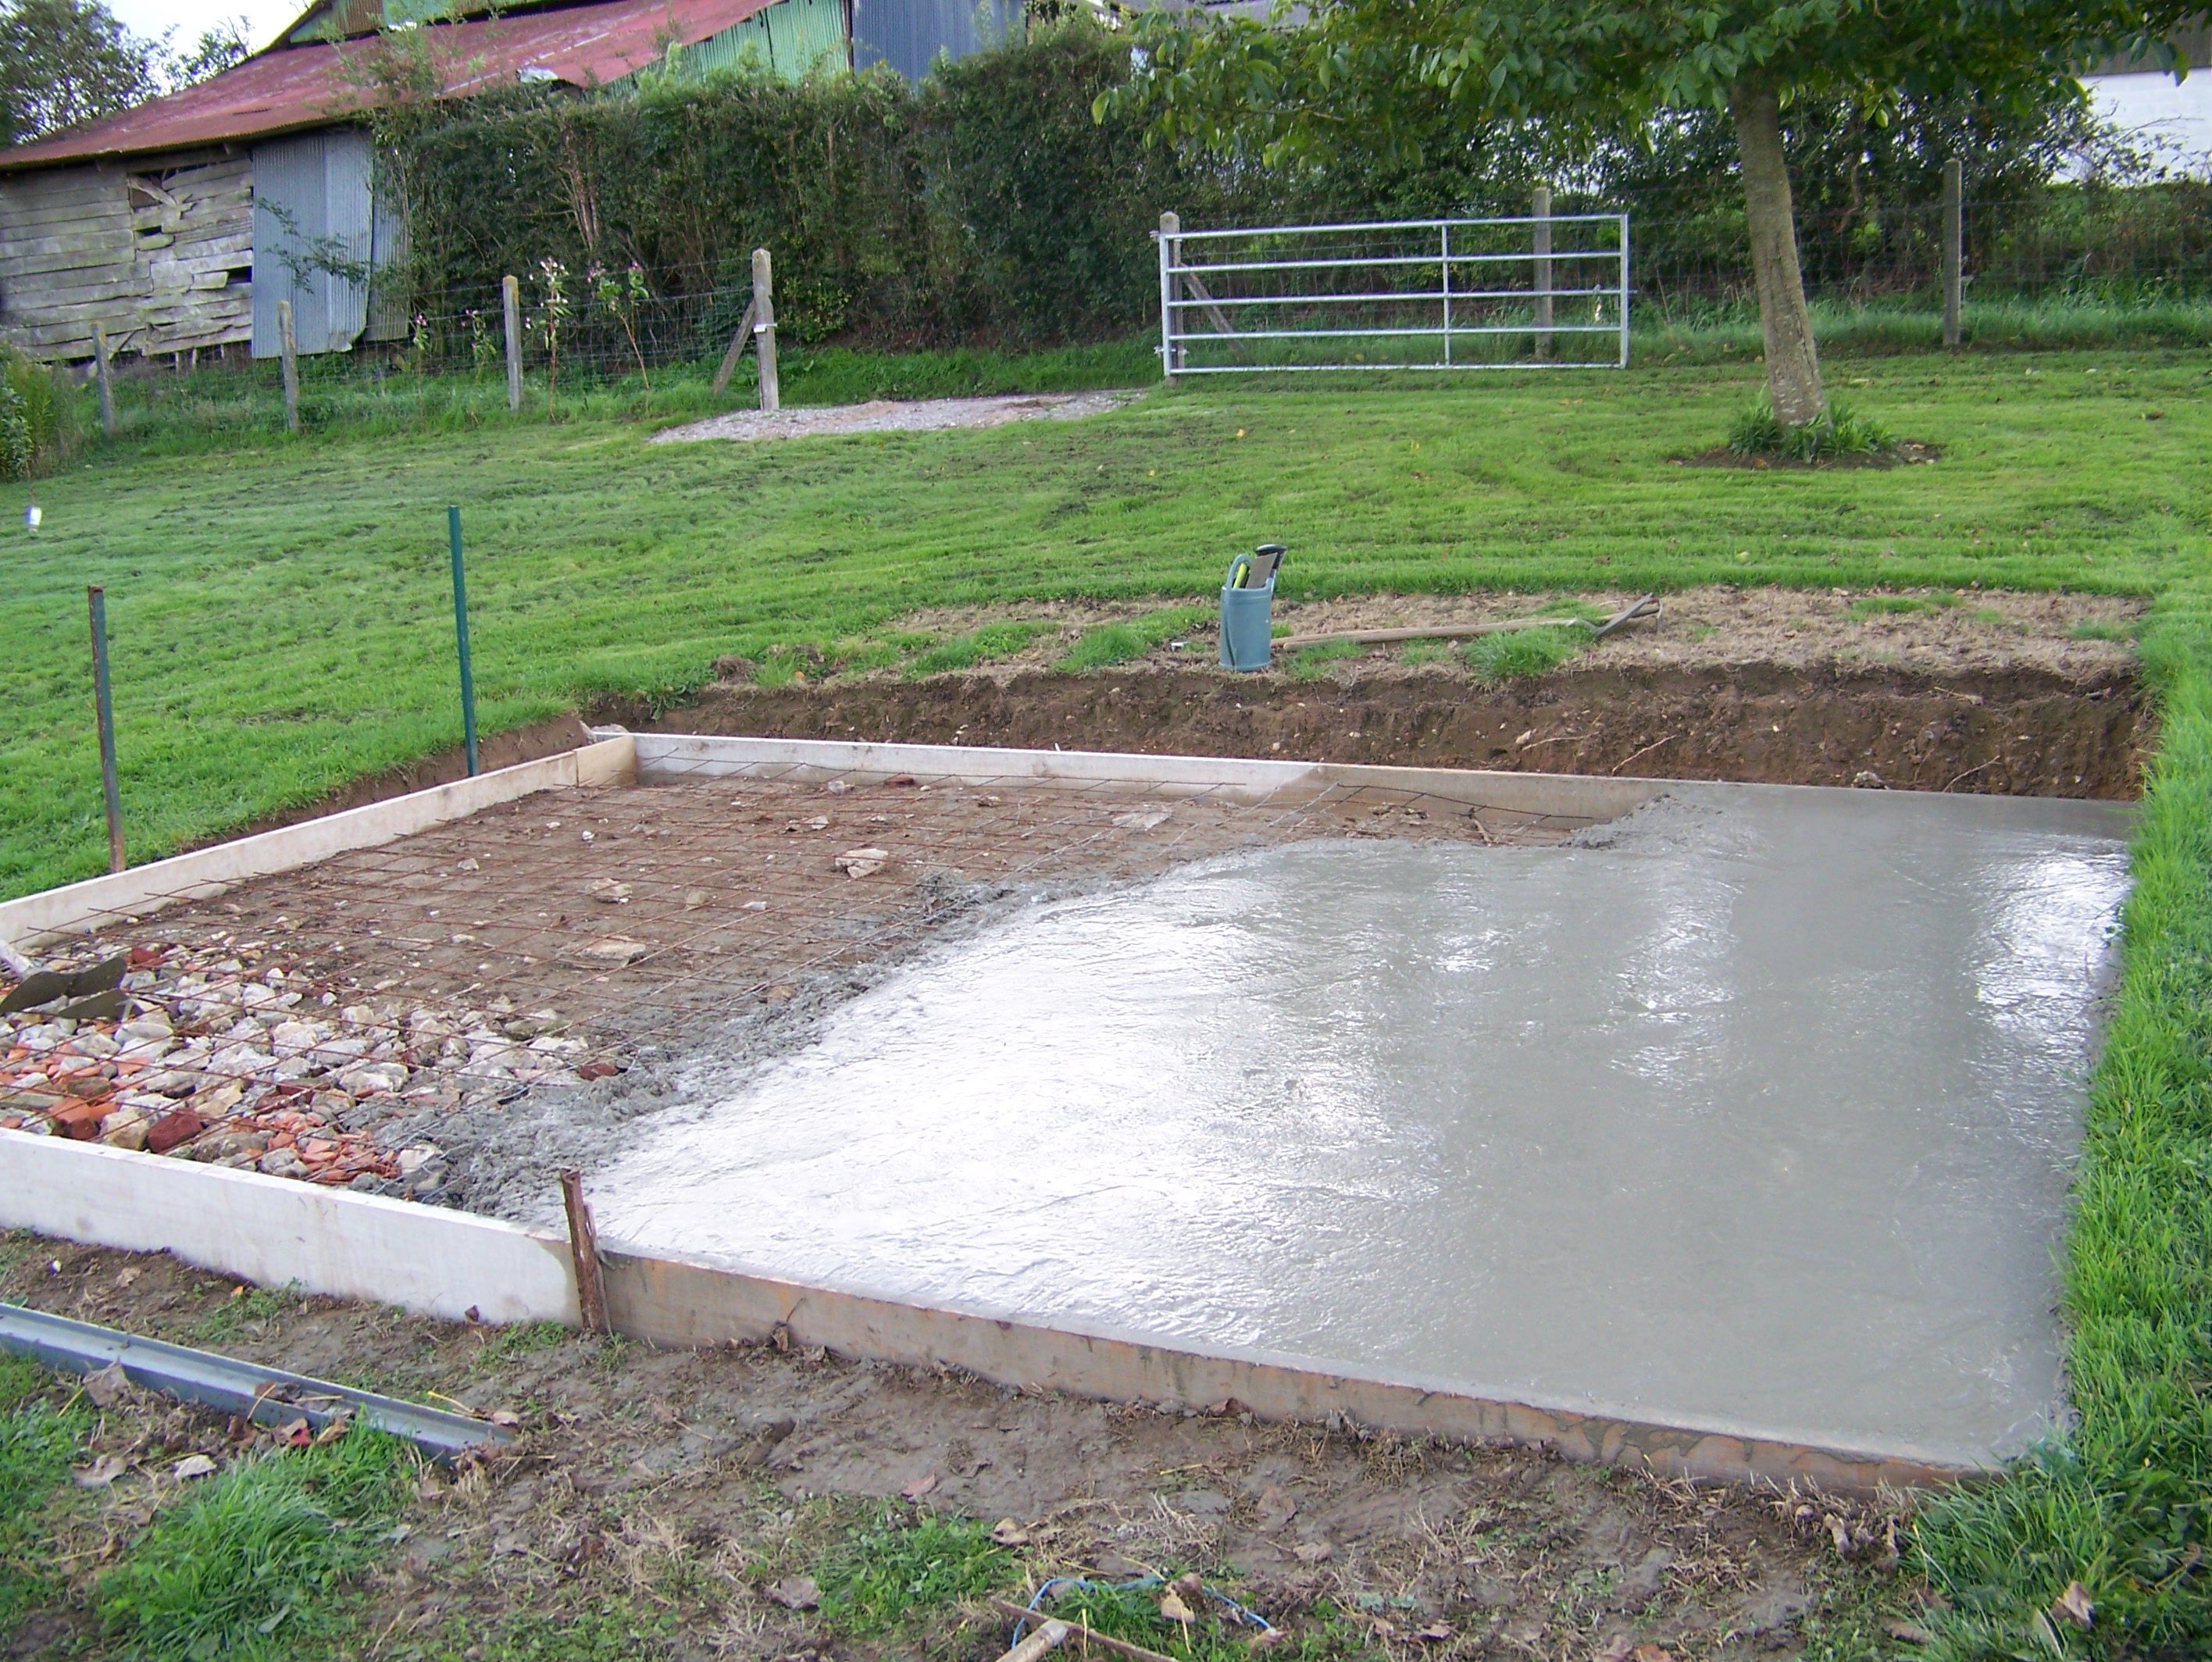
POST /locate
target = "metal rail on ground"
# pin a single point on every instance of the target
(268, 1396)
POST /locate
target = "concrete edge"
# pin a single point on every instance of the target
(684, 1303)
(430, 1260)
(276, 1232)
(35, 918)
(664, 758)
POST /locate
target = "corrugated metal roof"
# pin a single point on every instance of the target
(290, 88)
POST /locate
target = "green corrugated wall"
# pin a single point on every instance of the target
(790, 38)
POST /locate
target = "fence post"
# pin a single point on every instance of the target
(771, 394)
(1954, 248)
(1170, 233)
(510, 306)
(1542, 209)
(106, 386)
(461, 637)
(289, 349)
(104, 711)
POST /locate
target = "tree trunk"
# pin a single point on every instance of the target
(1793, 370)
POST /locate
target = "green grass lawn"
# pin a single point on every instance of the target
(282, 622)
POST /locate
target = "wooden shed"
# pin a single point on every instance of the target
(177, 226)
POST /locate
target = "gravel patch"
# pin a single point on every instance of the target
(883, 415)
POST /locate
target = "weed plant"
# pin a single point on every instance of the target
(248, 1565)
(1838, 432)
(1117, 643)
(38, 1440)
(896, 1566)
(984, 645)
(1514, 653)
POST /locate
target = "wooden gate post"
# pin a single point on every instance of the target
(1542, 285)
(290, 349)
(1954, 248)
(510, 306)
(771, 394)
(1170, 256)
(106, 386)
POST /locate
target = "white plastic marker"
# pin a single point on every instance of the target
(31, 515)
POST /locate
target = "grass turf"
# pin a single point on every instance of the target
(282, 622)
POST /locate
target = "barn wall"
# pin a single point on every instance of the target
(908, 34)
(158, 249)
(312, 228)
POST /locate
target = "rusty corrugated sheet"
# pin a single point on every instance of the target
(291, 88)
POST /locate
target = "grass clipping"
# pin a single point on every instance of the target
(1839, 432)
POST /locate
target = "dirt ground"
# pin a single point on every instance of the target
(2012, 694)
(697, 1488)
(2080, 638)
(883, 416)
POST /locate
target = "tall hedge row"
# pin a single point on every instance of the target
(988, 205)
(985, 203)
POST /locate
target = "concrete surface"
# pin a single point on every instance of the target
(1753, 1110)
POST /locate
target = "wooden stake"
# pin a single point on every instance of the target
(106, 386)
(289, 349)
(510, 306)
(584, 1248)
(1050, 1637)
(1954, 248)
(1083, 1638)
(771, 395)
(737, 350)
(1171, 351)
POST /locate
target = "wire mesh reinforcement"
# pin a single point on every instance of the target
(1428, 294)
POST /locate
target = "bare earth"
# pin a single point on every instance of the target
(696, 1485)
(1710, 627)
(882, 416)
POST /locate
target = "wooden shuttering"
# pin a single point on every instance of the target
(158, 250)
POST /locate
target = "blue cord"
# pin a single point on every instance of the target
(1142, 1584)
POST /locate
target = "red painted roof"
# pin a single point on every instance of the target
(287, 88)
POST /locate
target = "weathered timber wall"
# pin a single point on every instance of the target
(159, 252)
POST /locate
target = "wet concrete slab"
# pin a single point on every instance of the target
(1755, 1109)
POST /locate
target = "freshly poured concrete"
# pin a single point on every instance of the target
(1756, 1111)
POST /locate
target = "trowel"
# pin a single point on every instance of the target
(95, 992)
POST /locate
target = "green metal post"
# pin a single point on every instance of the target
(461, 633)
(104, 709)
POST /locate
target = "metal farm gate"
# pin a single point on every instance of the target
(1540, 293)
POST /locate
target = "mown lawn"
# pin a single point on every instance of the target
(282, 620)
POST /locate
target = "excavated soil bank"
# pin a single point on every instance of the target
(2012, 732)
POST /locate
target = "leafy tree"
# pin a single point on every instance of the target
(228, 42)
(1370, 70)
(66, 60)
(63, 61)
